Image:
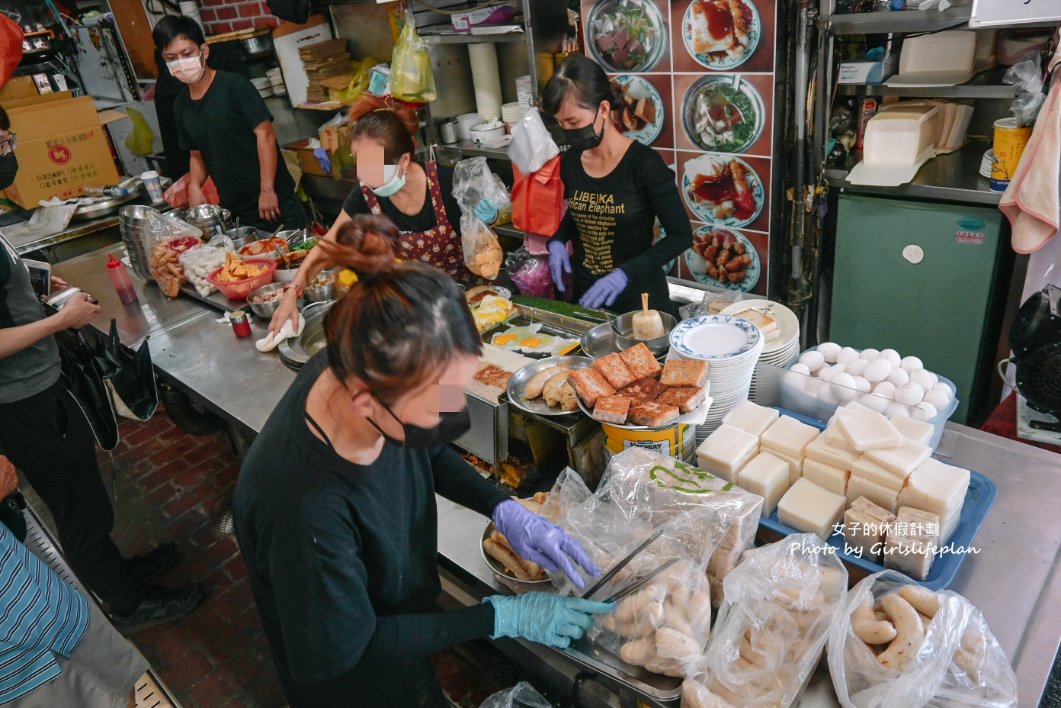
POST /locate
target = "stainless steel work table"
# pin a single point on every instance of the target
(1013, 579)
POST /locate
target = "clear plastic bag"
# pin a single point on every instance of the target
(947, 649)
(665, 625)
(482, 251)
(200, 261)
(531, 145)
(773, 624)
(473, 182)
(713, 303)
(530, 273)
(1028, 78)
(522, 695)
(411, 77)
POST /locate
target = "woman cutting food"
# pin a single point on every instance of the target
(416, 196)
(335, 505)
(615, 189)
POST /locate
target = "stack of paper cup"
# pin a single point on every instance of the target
(486, 80)
(511, 114)
(524, 92)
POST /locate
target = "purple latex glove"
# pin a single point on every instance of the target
(605, 290)
(537, 539)
(559, 263)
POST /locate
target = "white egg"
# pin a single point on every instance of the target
(911, 394)
(899, 377)
(846, 356)
(874, 402)
(811, 386)
(911, 363)
(800, 368)
(829, 350)
(937, 399)
(795, 381)
(877, 370)
(870, 354)
(897, 410)
(942, 387)
(892, 356)
(924, 379)
(885, 389)
(924, 411)
(844, 386)
(827, 394)
(812, 360)
(856, 367)
(827, 374)
(862, 384)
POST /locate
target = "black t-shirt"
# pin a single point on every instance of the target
(342, 559)
(611, 218)
(425, 220)
(221, 126)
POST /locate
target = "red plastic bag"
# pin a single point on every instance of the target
(10, 48)
(177, 195)
(538, 199)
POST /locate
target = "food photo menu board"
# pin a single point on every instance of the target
(696, 81)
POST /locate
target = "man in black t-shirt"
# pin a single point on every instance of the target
(228, 130)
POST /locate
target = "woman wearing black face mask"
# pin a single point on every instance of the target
(335, 504)
(615, 188)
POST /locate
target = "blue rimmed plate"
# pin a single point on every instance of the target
(716, 337)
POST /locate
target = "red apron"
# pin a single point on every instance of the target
(440, 246)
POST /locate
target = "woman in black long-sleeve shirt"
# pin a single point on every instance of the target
(335, 506)
(615, 189)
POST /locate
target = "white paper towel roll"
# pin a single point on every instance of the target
(486, 80)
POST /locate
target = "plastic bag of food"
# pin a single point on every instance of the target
(664, 625)
(773, 624)
(482, 251)
(522, 695)
(165, 239)
(895, 642)
(177, 194)
(473, 182)
(198, 262)
(411, 77)
(532, 145)
(530, 273)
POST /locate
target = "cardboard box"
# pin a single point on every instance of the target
(868, 72)
(17, 87)
(308, 162)
(62, 147)
(335, 138)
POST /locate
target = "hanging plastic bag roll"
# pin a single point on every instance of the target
(531, 145)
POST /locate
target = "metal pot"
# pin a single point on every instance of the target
(243, 235)
(207, 218)
(257, 46)
(296, 351)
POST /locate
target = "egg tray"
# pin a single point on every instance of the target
(978, 500)
(521, 320)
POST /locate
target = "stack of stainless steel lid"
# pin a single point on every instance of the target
(133, 222)
(207, 217)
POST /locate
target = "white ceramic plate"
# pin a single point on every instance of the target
(705, 211)
(637, 87)
(715, 337)
(721, 60)
(787, 323)
(698, 266)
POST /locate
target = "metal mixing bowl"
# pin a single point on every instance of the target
(623, 326)
(264, 310)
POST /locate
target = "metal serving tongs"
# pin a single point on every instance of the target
(604, 579)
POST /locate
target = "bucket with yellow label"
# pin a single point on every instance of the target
(1010, 141)
(673, 441)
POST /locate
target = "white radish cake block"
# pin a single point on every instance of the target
(834, 438)
(789, 437)
(832, 478)
(917, 430)
(810, 508)
(935, 487)
(751, 417)
(726, 450)
(948, 523)
(868, 431)
(903, 459)
(867, 469)
(820, 450)
(911, 542)
(768, 476)
(795, 467)
(876, 493)
(865, 524)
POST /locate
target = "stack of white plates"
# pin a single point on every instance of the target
(511, 113)
(731, 346)
(276, 80)
(524, 94)
(780, 352)
(264, 86)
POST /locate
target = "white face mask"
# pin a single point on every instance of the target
(187, 69)
(392, 183)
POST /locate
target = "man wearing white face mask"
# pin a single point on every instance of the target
(228, 130)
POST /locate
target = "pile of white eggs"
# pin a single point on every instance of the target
(881, 380)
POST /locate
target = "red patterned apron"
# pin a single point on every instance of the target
(440, 246)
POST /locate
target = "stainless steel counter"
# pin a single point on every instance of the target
(1012, 578)
(74, 231)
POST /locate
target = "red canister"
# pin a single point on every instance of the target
(241, 323)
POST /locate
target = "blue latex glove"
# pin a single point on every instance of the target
(559, 263)
(323, 159)
(553, 620)
(537, 539)
(605, 290)
(486, 212)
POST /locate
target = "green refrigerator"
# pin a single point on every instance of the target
(921, 278)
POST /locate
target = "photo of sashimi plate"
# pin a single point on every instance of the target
(626, 35)
(640, 112)
(722, 113)
(721, 34)
(723, 258)
(723, 190)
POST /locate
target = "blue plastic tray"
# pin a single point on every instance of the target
(978, 500)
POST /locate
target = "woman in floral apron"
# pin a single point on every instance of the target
(416, 196)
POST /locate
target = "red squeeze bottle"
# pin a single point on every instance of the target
(120, 278)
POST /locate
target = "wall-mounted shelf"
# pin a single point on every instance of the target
(473, 150)
(954, 177)
(508, 230)
(455, 38)
(904, 21)
(987, 84)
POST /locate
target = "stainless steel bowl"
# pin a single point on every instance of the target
(257, 46)
(322, 293)
(599, 341)
(264, 310)
(623, 326)
(243, 235)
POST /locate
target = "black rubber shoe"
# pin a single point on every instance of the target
(148, 566)
(158, 606)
